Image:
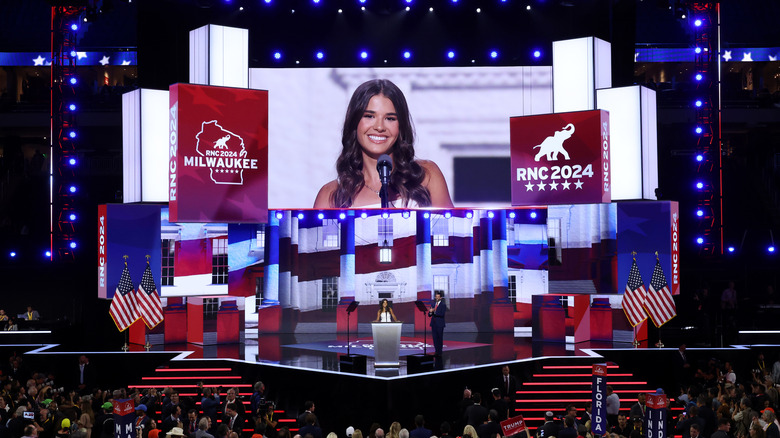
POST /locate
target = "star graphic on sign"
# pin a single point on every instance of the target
(104, 60)
(529, 187)
(553, 185)
(578, 184)
(81, 55)
(727, 55)
(125, 62)
(39, 60)
(772, 58)
(747, 57)
(541, 186)
(565, 184)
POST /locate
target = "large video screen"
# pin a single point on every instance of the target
(460, 114)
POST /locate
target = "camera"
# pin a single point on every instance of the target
(29, 415)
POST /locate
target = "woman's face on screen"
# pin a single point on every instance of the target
(377, 130)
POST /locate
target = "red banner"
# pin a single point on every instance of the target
(218, 148)
(674, 276)
(513, 425)
(560, 158)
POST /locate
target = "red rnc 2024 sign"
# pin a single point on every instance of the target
(513, 425)
(218, 152)
(561, 158)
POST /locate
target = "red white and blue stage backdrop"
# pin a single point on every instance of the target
(218, 152)
(126, 230)
(647, 227)
(561, 158)
(194, 258)
(304, 265)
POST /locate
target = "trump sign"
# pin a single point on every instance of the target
(561, 158)
(512, 426)
(218, 154)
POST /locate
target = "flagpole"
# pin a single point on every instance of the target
(636, 342)
(658, 344)
(147, 345)
(126, 347)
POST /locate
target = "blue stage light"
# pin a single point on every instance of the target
(73, 81)
(72, 107)
(448, 215)
(409, 1)
(697, 23)
(74, 27)
(700, 240)
(426, 215)
(72, 134)
(407, 54)
(47, 253)
(279, 215)
(699, 130)
(698, 103)
(267, 1)
(533, 215)
(469, 215)
(385, 215)
(537, 53)
(451, 54)
(771, 248)
(12, 254)
(277, 55)
(72, 189)
(699, 213)
(73, 53)
(697, 50)
(731, 249)
(320, 55)
(405, 215)
(320, 216)
(699, 185)
(699, 76)
(364, 215)
(316, 2)
(300, 216)
(72, 245)
(342, 216)
(363, 55)
(72, 161)
(72, 216)
(700, 158)
(512, 215)
(494, 54)
(491, 214)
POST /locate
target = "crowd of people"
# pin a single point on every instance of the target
(714, 401)
(11, 323)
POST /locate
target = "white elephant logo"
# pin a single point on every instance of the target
(553, 145)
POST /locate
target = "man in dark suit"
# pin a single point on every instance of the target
(234, 421)
(476, 414)
(507, 384)
(420, 431)
(308, 409)
(437, 321)
(231, 397)
(85, 376)
(310, 427)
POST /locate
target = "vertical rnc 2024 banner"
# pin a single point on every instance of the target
(598, 422)
(218, 148)
(561, 158)
(655, 419)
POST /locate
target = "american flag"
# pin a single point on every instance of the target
(148, 301)
(122, 309)
(660, 304)
(634, 297)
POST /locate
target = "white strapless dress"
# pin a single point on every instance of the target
(385, 317)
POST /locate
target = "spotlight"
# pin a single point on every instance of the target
(698, 103)
(300, 216)
(72, 189)
(72, 217)
(320, 216)
(700, 158)
(47, 253)
(537, 53)
(490, 214)
(697, 23)
(12, 254)
(451, 54)
(72, 134)
(408, 1)
(72, 53)
(528, 8)
(771, 248)
(697, 50)
(362, 8)
(426, 215)
(385, 215)
(342, 216)
(731, 249)
(277, 55)
(448, 215)
(533, 215)
(699, 213)
(267, 1)
(699, 185)
(479, 10)
(316, 2)
(699, 130)
(362, 1)
(74, 27)
(494, 54)
(72, 245)
(407, 54)
(363, 55)
(469, 215)
(430, 9)
(240, 8)
(320, 55)
(72, 161)
(364, 215)
(405, 215)
(408, 9)
(341, 11)
(73, 81)
(279, 215)
(700, 240)
(512, 215)
(72, 107)
(699, 76)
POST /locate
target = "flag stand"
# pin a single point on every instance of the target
(126, 347)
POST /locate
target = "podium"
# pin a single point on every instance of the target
(387, 344)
